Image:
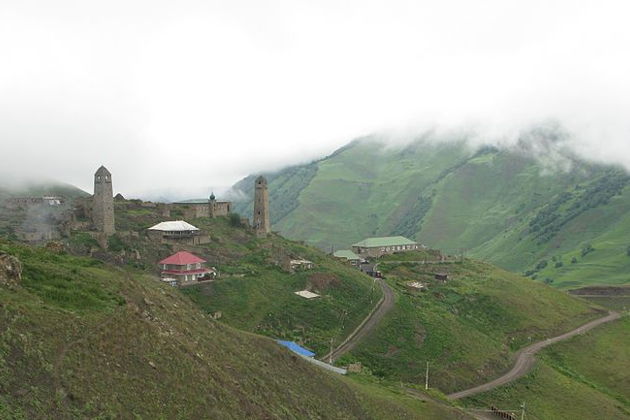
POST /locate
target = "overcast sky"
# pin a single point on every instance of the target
(192, 95)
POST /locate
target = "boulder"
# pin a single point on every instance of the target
(55, 247)
(10, 270)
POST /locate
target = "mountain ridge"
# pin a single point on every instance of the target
(532, 197)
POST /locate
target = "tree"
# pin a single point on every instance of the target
(587, 249)
(235, 220)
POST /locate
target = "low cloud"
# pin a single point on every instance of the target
(187, 99)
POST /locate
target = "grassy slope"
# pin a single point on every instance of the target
(489, 202)
(81, 339)
(467, 328)
(253, 291)
(580, 388)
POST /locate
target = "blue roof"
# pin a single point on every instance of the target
(296, 348)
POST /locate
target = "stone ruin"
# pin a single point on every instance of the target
(10, 270)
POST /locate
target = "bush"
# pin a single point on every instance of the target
(542, 264)
(235, 220)
(115, 244)
(558, 264)
(587, 249)
(574, 260)
(548, 280)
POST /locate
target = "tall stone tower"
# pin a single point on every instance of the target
(103, 202)
(262, 225)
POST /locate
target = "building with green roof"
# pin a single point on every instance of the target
(375, 247)
(347, 255)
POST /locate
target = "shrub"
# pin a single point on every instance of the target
(115, 244)
(235, 220)
(558, 264)
(574, 260)
(587, 249)
(542, 264)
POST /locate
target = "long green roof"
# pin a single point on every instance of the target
(384, 241)
(347, 254)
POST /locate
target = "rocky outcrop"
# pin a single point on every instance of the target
(10, 270)
(55, 247)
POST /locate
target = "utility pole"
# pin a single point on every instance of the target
(426, 378)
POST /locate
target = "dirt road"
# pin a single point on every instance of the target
(525, 358)
(367, 325)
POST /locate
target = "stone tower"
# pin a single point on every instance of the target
(103, 202)
(262, 225)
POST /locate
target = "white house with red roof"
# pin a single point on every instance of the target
(185, 267)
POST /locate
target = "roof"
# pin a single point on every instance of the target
(306, 294)
(182, 258)
(347, 254)
(296, 348)
(173, 226)
(182, 272)
(193, 201)
(102, 171)
(384, 241)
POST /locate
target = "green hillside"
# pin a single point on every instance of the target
(40, 189)
(528, 206)
(255, 288)
(82, 339)
(585, 377)
(468, 327)
(12, 218)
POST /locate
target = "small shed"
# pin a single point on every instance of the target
(443, 277)
(301, 264)
(306, 294)
(415, 286)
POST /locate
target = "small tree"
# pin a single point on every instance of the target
(235, 220)
(542, 264)
(587, 249)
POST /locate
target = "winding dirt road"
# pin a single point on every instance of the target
(368, 324)
(525, 358)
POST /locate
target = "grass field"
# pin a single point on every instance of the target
(82, 339)
(585, 377)
(468, 327)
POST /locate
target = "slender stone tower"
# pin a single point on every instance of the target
(262, 226)
(103, 202)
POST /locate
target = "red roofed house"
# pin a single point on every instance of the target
(185, 267)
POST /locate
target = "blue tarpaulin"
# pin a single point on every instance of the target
(296, 348)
